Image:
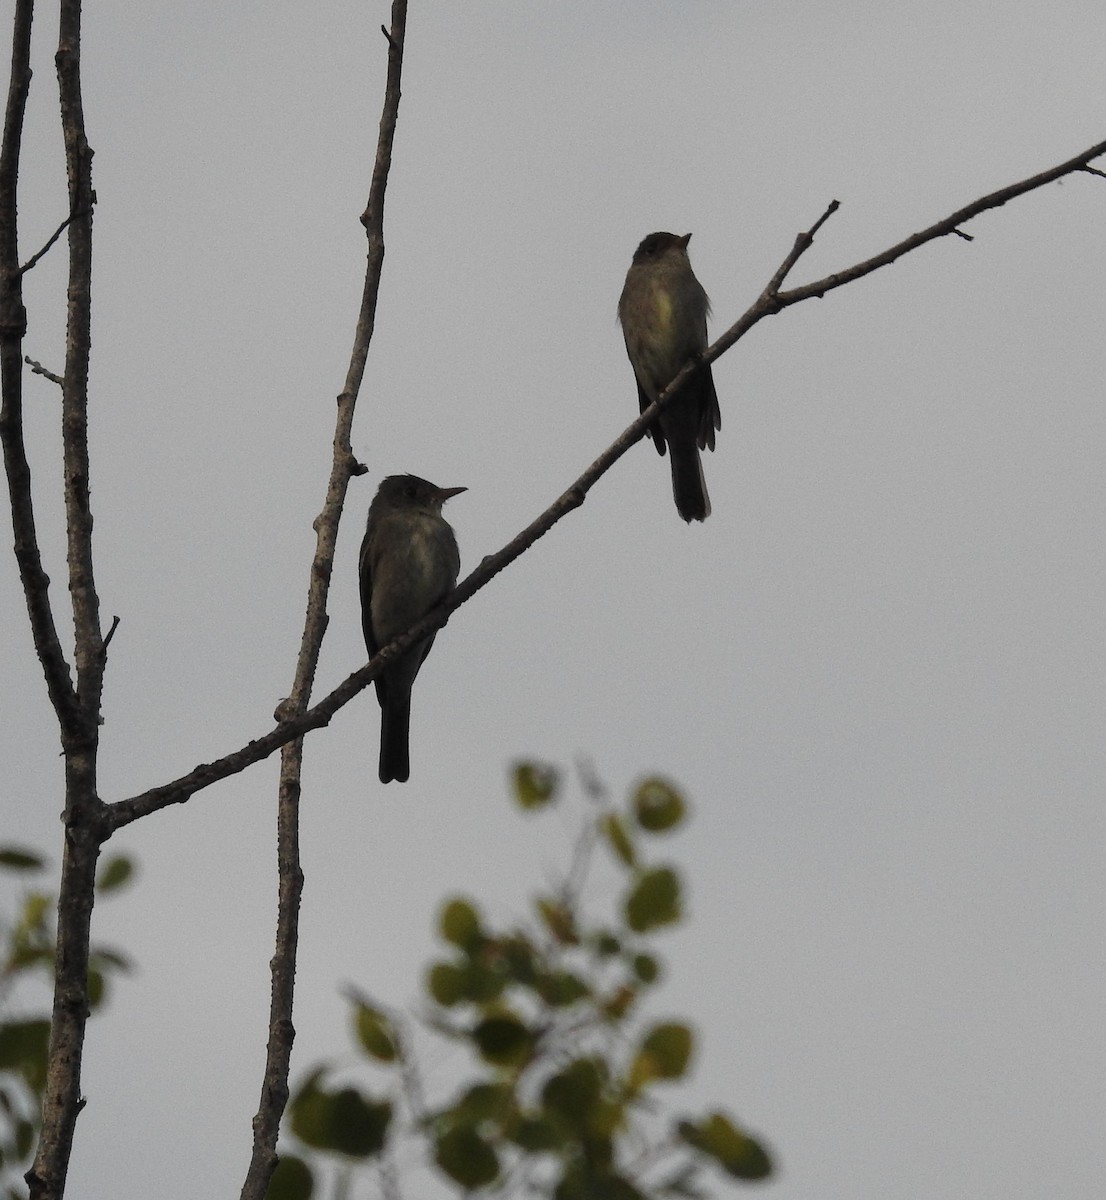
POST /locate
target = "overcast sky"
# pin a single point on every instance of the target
(877, 669)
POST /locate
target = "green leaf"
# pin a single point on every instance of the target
(466, 1157)
(23, 1048)
(483, 1102)
(537, 1134)
(459, 924)
(657, 806)
(344, 1121)
(645, 967)
(292, 1180)
(737, 1153)
(562, 988)
(535, 784)
(654, 900)
(451, 983)
(664, 1054)
(503, 1040)
(375, 1033)
(96, 987)
(519, 958)
(16, 858)
(575, 1092)
(358, 1125)
(614, 830)
(588, 1179)
(116, 871)
(446, 983)
(36, 906)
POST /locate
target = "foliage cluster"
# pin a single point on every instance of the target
(564, 1095)
(27, 951)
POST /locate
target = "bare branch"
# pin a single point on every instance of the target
(274, 1090)
(33, 260)
(769, 302)
(13, 325)
(772, 300)
(38, 369)
(942, 228)
(85, 824)
(78, 158)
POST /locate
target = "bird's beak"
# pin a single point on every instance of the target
(445, 493)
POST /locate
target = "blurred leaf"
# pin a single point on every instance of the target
(342, 1121)
(23, 1048)
(292, 1180)
(562, 988)
(537, 1134)
(308, 1111)
(657, 805)
(445, 982)
(535, 784)
(618, 838)
(358, 1126)
(36, 907)
(116, 871)
(654, 900)
(466, 1157)
(618, 1003)
(460, 924)
(645, 967)
(484, 1102)
(96, 986)
(24, 1138)
(559, 920)
(16, 858)
(664, 1054)
(605, 944)
(28, 956)
(575, 1094)
(737, 1153)
(375, 1033)
(519, 957)
(589, 1179)
(503, 1040)
(114, 959)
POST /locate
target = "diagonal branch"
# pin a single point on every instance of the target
(770, 301)
(274, 1088)
(34, 259)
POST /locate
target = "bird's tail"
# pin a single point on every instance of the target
(689, 488)
(395, 719)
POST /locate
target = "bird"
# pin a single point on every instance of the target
(408, 564)
(663, 310)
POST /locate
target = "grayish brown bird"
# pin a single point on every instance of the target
(663, 310)
(409, 563)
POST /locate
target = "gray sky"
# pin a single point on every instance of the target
(877, 670)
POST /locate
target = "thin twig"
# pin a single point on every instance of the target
(30, 263)
(38, 369)
(274, 1089)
